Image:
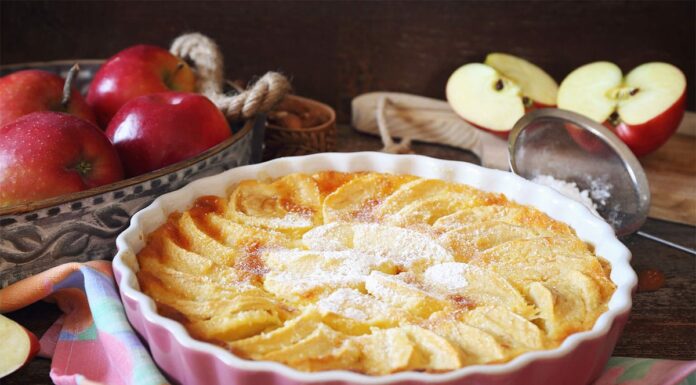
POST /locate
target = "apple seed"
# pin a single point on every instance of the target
(527, 102)
(614, 119)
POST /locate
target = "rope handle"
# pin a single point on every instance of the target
(404, 146)
(207, 62)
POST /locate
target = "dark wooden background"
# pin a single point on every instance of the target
(336, 50)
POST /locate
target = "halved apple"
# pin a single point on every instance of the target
(644, 108)
(18, 346)
(496, 94)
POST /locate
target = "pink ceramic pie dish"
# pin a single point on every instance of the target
(579, 360)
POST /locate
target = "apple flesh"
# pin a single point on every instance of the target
(18, 346)
(494, 95)
(24, 92)
(157, 130)
(643, 108)
(133, 72)
(45, 154)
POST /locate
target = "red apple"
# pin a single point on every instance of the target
(24, 92)
(643, 108)
(45, 154)
(493, 96)
(133, 72)
(156, 130)
(18, 346)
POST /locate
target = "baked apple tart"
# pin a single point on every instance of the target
(373, 273)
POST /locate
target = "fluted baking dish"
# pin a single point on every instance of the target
(579, 359)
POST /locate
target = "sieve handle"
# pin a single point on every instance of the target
(666, 242)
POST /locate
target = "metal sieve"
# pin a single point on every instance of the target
(570, 147)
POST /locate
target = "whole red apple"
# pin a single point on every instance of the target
(156, 130)
(45, 154)
(643, 108)
(24, 92)
(133, 72)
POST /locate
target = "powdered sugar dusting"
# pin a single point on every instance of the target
(352, 304)
(404, 247)
(447, 276)
(571, 190)
(301, 271)
(600, 191)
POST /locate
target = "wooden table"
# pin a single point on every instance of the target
(662, 323)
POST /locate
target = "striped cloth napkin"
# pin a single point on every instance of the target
(93, 343)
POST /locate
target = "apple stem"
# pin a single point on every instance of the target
(499, 85)
(169, 77)
(83, 167)
(67, 87)
(178, 68)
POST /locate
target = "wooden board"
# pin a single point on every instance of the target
(671, 172)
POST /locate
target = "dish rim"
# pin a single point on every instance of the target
(519, 190)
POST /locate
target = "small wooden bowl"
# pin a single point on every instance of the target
(320, 137)
(83, 226)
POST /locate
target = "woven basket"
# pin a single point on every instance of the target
(282, 141)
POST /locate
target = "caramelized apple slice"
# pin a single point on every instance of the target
(398, 293)
(433, 353)
(541, 259)
(320, 343)
(466, 241)
(567, 303)
(510, 213)
(289, 204)
(509, 328)
(290, 333)
(358, 198)
(478, 286)
(477, 346)
(386, 351)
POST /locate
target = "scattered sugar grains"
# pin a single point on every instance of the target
(352, 304)
(449, 276)
(598, 191)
